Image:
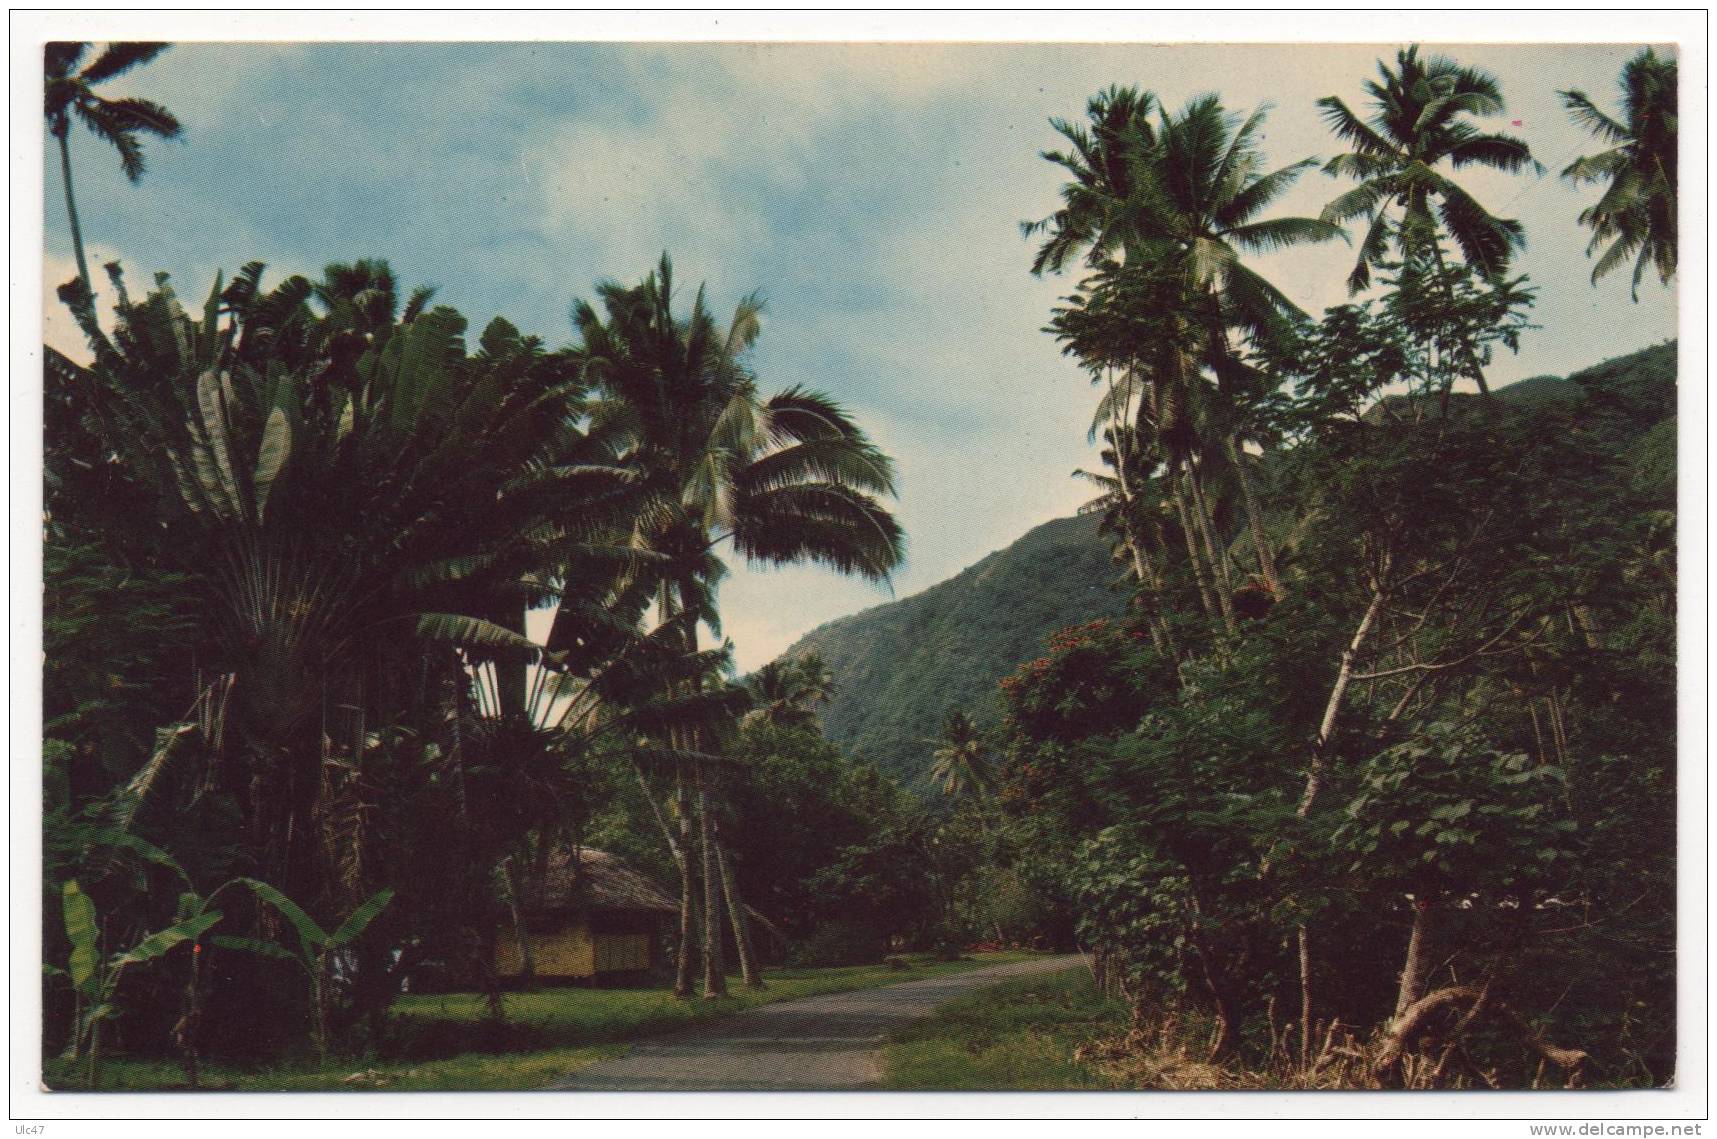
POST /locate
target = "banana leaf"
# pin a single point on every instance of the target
(158, 943)
(81, 931)
(360, 918)
(313, 936)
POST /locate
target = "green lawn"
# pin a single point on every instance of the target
(446, 1043)
(1016, 1036)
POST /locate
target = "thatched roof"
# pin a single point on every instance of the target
(598, 880)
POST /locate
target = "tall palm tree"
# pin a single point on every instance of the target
(1637, 213)
(1418, 124)
(1164, 213)
(68, 93)
(784, 479)
(960, 764)
(1199, 214)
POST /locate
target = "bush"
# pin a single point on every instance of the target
(839, 943)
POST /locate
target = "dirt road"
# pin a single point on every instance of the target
(827, 1043)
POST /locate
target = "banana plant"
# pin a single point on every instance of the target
(95, 981)
(315, 944)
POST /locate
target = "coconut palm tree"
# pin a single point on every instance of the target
(787, 693)
(1165, 213)
(1417, 125)
(1637, 214)
(69, 93)
(1199, 213)
(781, 479)
(960, 764)
(1093, 214)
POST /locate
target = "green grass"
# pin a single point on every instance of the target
(445, 1042)
(1015, 1037)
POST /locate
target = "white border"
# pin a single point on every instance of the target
(1297, 1113)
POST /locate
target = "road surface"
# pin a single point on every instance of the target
(827, 1043)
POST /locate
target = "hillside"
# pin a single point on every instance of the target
(898, 666)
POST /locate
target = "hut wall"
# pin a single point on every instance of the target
(622, 952)
(568, 951)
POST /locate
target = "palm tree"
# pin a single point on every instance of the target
(1164, 213)
(1637, 214)
(1092, 217)
(960, 765)
(1199, 213)
(786, 478)
(69, 92)
(787, 693)
(1418, 123)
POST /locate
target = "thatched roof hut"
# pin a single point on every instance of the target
(583, 915)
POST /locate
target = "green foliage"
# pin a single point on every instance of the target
(1470, 771)
(95, 980)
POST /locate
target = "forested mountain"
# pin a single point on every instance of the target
(899, 666)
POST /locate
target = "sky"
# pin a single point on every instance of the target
(872, 193)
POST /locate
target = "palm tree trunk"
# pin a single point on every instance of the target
(510, 673)
(72, 209)
(1206, 530)
(685, 963)
(1474, 368)
(1254, 517)
(714, 967)
(1193, 557)
(1148, 581)
(748, 970)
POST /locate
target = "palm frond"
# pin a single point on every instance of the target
(1351, 129)
(1587, 115)
(1284, 233)
(116, 59)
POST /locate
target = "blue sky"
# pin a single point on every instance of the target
(872, 193)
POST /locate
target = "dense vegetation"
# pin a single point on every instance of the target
(1374, 782)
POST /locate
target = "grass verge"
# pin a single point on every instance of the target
(1018, 1036)
(445, 1042)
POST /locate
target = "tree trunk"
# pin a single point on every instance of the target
(685, 963)
(510, 672)
(748, 970)
(1254, 518)
(1474, 368)
(527, 964)
(1304, 938)
(1338, 693)
(1413, 969)
(714, 965)
(1161, 639)
(72, 210)
(1218, 559)
(1314, 781)
(1178, 493)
